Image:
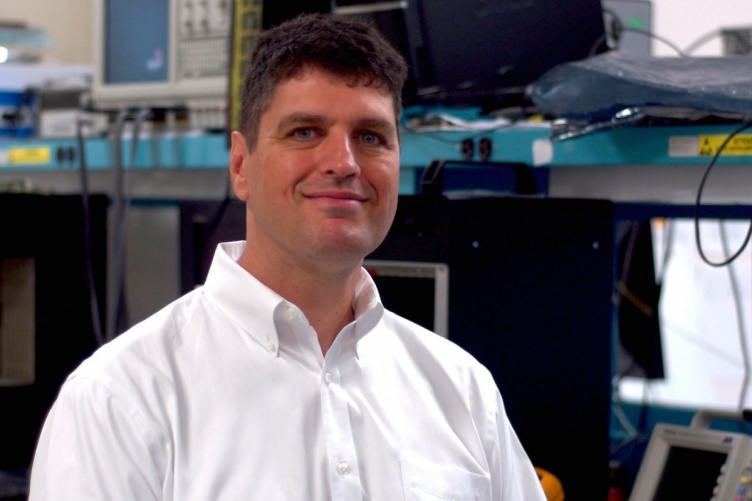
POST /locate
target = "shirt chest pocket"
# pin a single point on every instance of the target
(426, 482)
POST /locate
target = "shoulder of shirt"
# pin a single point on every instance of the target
(428, 345)
(145, 346)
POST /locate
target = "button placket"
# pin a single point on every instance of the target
(345, 478)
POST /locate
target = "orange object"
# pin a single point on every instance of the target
(551, 485)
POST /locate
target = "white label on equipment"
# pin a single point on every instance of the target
(683, 146)
(543, 152)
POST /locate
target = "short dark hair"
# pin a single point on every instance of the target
(347, 48)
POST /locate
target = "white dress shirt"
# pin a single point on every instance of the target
(225, 395)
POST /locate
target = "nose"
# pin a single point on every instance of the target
(339, 156)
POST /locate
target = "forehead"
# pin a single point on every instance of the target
(313, 88)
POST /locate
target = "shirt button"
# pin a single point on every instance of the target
(270, 345)
(342, 468)
(328, 378)
(290, 314)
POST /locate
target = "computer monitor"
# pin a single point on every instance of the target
(418, 291)
(694, 465)
(477, 52)
(150, 52)
(178, 53)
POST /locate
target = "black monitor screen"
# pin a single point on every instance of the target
(466, 52)
(409, 297)
(689, 474)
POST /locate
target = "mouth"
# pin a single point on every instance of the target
(337, 196)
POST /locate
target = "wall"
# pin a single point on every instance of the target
(68, 22)
(683, 22)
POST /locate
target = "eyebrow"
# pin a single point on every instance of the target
(376, 123)
(379, 124)
(299, 118)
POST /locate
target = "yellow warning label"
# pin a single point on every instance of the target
(738, 145)
(30, 155)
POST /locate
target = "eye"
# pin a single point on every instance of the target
(304, 133)
(370, 138)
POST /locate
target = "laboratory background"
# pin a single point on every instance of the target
(575, 210)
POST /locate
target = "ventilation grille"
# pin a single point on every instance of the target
(737, 42)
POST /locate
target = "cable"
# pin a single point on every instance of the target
(665, 41)
(115, 317)
(743, 127)
(122, 189)
(701, 41)
(618, 28)
(96, 322)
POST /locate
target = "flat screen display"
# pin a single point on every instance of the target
(136, 41)
(689, 474)
(473, 52)
(417, 291)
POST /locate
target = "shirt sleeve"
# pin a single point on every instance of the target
(94, 446)
(512, 474)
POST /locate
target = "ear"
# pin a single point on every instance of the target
(238, 156)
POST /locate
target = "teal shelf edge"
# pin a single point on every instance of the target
(198, 151)
(630, 146)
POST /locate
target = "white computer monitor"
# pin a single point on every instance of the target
(161, 53)
(683, 463)
(418, 291)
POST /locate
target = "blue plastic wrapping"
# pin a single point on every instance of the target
(601, 88)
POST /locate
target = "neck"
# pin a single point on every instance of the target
(328, 308)
(325, 297)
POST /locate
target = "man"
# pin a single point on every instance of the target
(283, 378)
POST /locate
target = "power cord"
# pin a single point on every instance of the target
(698, 205)
(96, 322)
(118, 320)
(617, 28)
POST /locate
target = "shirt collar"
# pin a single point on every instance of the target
(254, 307)
(367, 305)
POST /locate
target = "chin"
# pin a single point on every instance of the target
(346, 248)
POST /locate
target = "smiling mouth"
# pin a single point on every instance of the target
(337, 196)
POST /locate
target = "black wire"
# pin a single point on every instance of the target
(122, 313)
(116, 318)
(743, 127)
(96, 322)
(120, 319)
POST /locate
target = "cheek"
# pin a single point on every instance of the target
(388, 192)
(388, 184)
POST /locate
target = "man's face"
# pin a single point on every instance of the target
(322, 181)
